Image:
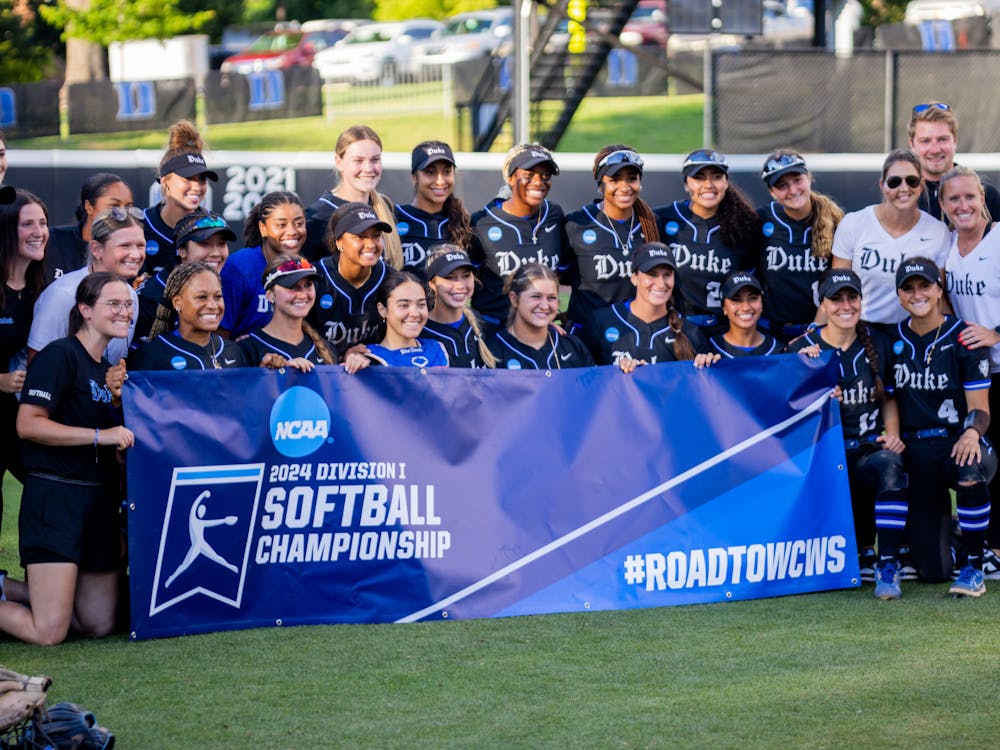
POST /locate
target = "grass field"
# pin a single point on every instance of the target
(655, 125)
(830, 670)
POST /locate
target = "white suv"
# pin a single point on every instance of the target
(377, 52)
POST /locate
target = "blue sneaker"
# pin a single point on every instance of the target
(968, 583)
(887, 579)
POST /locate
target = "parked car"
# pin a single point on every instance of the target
(379, 52)
(290, 46)
(647, 25)
(785, 24)
(234, 40)
(466, 36)
(919, 11)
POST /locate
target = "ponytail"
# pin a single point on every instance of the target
(683, 349)
(322, 347)
(864, 336)
(826, 215)
(392, 245)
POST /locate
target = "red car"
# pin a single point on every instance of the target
(648, 25)
(286, 48)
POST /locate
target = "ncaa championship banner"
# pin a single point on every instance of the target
(262, 498)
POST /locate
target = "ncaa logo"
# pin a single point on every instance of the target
(326, 301)
(152, 247)
(513, 364)
(590, 236)
(611, 334)
(403, 228)
(897, 348)
(494, 233)
(178, 363)
(768, 229)
(300, 422)
(671, 228)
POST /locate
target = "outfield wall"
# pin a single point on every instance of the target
(55, 176)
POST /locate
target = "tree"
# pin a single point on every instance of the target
(25, 54)
(882, 11)
(393, 10)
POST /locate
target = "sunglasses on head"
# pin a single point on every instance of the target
(299, 264)
(121, 213)
(210, 222)
(895, 181)
(704, 156)
(781, 162)
(621, 157)
(921, 108)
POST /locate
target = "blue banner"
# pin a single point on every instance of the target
(265, 499)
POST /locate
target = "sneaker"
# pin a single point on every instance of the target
(887, 580)
(969, 583)
(867, 561)
(906, 569)
(991, 565)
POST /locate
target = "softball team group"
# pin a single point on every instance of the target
(356, 280)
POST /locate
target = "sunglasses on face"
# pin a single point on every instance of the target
(895, 181)
(920, 108)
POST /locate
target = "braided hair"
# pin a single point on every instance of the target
(871, 353)
(166, 314)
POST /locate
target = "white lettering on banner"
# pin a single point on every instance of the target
(352, 545)
(719, 566)
(361, 505)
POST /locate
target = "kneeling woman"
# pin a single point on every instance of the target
(288, 340)
(742, 305)
(942, 388)
(450, 320)
(69, 531)
(647, 328)
(184, 335)
(530, 341)
(870, 420)
(401, 302)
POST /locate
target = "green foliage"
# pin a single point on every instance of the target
(393, 10)
(307, 10)
(25, 53)
(882, 11)
(107, 21)
(227, 13)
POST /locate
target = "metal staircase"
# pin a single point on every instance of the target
(565, 62)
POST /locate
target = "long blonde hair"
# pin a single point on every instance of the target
(391, 243)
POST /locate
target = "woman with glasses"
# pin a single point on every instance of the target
(604, 235)
(357, 158)
(436, 214)
(530, 341)
(519, 226)
(184, 180)
(117, 245)
(185, 333)
(69, 534)
(714, 232)
(202, 237)
(288, 340)
(874, 241)
(67, 248)
(275, 226)
(973, 277)
(797, 227)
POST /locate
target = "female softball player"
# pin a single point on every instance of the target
(797, 227)
(184, 184)
(509, 232)
(288, 340)
(530, 341)
(450, 320)
(973, 276)
(604, 235)
(401, 302)
(870, 419)
(349, 277)
(942, 388)
(185, 334)
(647, 328)
(69, 530)
(876, 240)
(357, 159)
(436, 214)
(714, 233)
(742, 307)
(275, 226)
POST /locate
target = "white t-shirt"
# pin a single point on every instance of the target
(51, 317)
(974, 285)
(875, 255)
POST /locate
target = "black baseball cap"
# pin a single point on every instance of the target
(532, 156)
(922, 267)
(188, 165)
(357, 218)
(200, 225)
(842, 278)
(445, 263)
(704, 157)
(426, 154)
(7, 195)
(732, 284)
(289, 273)
(776, 167)
(649, 255)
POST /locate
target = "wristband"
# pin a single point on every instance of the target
(978, 420)
(97, 433)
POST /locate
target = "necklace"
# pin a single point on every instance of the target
(626, 244)
(212, 353)
(930, 350)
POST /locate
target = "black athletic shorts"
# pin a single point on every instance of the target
(66, 521)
